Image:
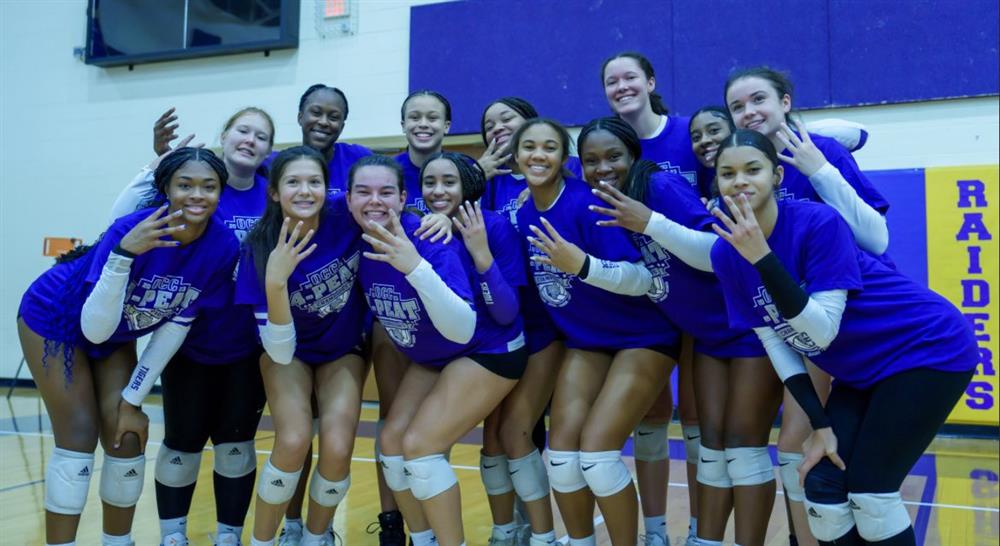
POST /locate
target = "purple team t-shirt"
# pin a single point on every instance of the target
(589, 317)
(327, 308)
(503, 190)
(671, 150)
(890, 325)
(411, 182)
(165, 284)
(344, 157)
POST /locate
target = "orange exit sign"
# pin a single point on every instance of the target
(335, 8)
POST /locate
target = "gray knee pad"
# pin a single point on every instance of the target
(122, 480)
(235, 459)
(828, 522)
(276, 486)
(176, 468)
(528, 474)
(325, 492)
(879, 516)
(692, 442)
(564, 471)
(495, 473)
(392, 470)
(429, 476)
(788, 468)
(748, 466)
(649, 442)
(605, 472)
(67, 481)
(712, 468)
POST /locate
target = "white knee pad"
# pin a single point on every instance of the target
(429, 476)
(749, 466)
(788, 468)
(828, 522)
(276, 486)
(605, 472)
(325, 492)
(564, 471)
(392, 470)
(67, 481)
(176, 468)
(692, 442)
(649, 442)
(235, 459)
(528, 474)
(122, 480)
(495, 473)
(878, 515)
(712, 468)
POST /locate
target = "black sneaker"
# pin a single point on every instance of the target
(390, 529)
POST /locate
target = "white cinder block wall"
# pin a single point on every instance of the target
(71, 135)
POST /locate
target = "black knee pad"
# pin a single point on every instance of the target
(826, 484)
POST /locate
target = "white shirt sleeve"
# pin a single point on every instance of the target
(452, 316)
(820, 319)
(869, 227)
(626, 278)
(278, 341)
(849, 134)
(131, 197)
(784, 359)
(690, 245)
(163, 344)
(102, 310)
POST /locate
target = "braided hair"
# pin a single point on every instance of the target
(469, 173)
(641, 170)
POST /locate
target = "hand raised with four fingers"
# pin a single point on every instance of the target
(148, 234)
(805, 156)
(493, 160)
(392, 246)
(744, 232)
(288, 252)
(470, 223)
(626, 212)
(821, 443)
(559, 253)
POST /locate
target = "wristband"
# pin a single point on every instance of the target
(122, 252)
(585, 270)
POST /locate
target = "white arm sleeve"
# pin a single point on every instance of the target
(690, 245)
(278, 341)
(784, 359)
(131, 197)
(102, 311)
(849, 134)
(450, 314)
(162, 345)
(869, 227)
(820, 319)
(626, 278)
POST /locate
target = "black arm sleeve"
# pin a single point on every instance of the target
(802, 389)
(789, 297)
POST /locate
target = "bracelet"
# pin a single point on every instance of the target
(122, 252)
(585, 270)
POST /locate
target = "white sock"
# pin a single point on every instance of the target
(504, 530)
(656, 525)
(293, 523)
(173, 525)
(547, 538)
(255, 542)
(222, 528)
(423, 538)
(693, 527)
(587, 541)
(116, 540)
(310, 539)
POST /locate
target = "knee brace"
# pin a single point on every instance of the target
(276, 486)
(529, 478)
(879, 516)
(392, 470)
(605, 472)
(235, 459)
(649, 442)
(325, 492)
(67, 481)
(692, 442)
(712, 468)
(176, 468)
(494, 471)
(564, 471)
(749, 466)
(429, 476)
(828, 522)
(122, 480)
(788, 468)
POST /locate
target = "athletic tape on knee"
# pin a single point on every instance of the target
(67, 481)
(564, 471)
(392, 470)
(748, 466)
(277, 486)
(122, 480)
(379, 425)
(528, 474)
(788, 468)
(429, 476)
(828, 522)
(494, 471)
(325, 492)
(692, 442)
(712, 468)
(176, 468)
(605, 472)
(649, 442)
(235, 459)
(879, 516)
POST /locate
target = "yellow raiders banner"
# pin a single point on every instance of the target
(962, 205)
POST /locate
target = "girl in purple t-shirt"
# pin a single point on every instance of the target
(151, 272)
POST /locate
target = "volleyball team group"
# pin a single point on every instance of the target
(738, 245)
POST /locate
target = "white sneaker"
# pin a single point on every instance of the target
(228, 539)
(175, 539)
(522, 536)
(510, 541)
(290, 536)
(653, 539)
